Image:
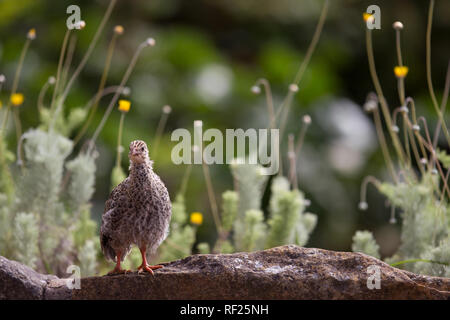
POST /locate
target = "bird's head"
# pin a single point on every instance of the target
(138, 152)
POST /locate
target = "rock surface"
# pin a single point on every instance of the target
(18, 281)
(287, 272)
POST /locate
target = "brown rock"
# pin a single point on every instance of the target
(18, 281)
(287, 272)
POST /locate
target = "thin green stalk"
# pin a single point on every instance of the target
(17, 123)
(18, 127)
(383, 144)
(395, 264)
(209, 186)
(443, 190)
(424, 145)
(42, 92)
(2, 80)
(8, 183)
(428, 67)
(117, 94)
(185, 180)
(100, 88)
(301, 71)
(211, 197)
(313, 44)
(400, 80)
(301, 138)
(410, 101)
(104, 92)
(364, 185)
(405, 134)
(287, 107)
(269, 100)
(58, 70)
(83, 62)
(413, 143)
(293, 88)
(68, 62)
(15, 83)
(119, 141)
(378, 89)
(160, 129)
(292, 162)
(433, 157)
(443, 106)
(407, 147)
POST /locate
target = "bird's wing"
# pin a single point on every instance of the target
(115, 209)
(117, 196)
(163, 195)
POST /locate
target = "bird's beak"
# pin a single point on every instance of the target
(133, 153)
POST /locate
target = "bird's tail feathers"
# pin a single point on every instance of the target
(108, 251)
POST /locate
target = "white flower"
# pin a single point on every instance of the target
(397, 25)
(150, 42)
(363, 206)
(306, 119)
(293, 87)
(167, 109)
(256, 90)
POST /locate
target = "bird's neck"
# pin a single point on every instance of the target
(141, 171)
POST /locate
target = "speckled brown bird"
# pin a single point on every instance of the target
(137, 212)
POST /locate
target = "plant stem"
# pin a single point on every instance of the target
(159, 131)
(416, 260)
(366, 181)
(269, 101)
(42, 92)
(116, 95)
(15, 85)
(58, 72)
(443, 106)
(292, 162)
(100, 88)
(428, 66)
(67, 62)
(185, 179)
(382, 100)
(80, 67)
(313, 44)
(119, 141)
(383, 144)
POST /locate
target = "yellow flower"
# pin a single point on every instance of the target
(366, 16)
(401, 71)
(31, 34)
(17, 99)
(118, 29)
(124, 105)
(196, 218)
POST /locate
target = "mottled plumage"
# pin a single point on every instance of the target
(137, 212)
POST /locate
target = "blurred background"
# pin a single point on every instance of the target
(208, 56)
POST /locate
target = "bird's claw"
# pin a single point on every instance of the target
(148, 268)
(118, 271)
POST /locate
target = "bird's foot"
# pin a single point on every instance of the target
(118, 271)
(148, 268)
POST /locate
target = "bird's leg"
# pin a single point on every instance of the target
(145, 266)
(118, 269)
